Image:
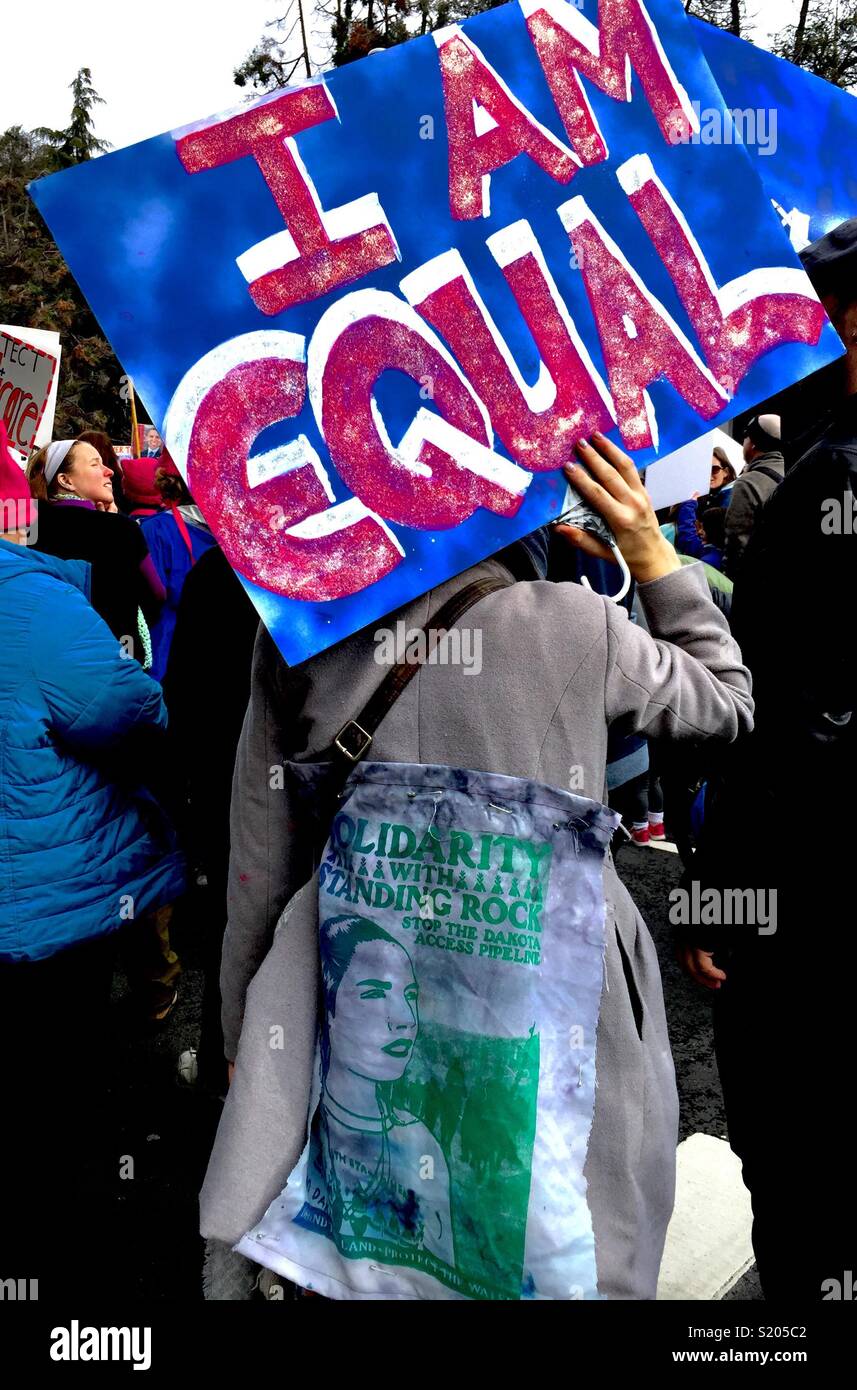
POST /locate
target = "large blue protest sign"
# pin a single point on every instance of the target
(375, 312)
(800, 130)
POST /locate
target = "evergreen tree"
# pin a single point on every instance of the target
(37, 289)
(78, 142)
(824, 40)
(280, 56)
(355, 27)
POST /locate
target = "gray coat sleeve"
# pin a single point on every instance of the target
(686, 679)
(262, 842)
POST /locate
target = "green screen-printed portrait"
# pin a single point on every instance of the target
(385, 1172)
(460, 934)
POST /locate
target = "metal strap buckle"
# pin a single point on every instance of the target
(353, 757)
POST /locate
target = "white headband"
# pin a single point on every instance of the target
(56, 457)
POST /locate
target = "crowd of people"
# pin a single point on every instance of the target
(142, 710)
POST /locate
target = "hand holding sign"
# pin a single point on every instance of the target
(613, 487)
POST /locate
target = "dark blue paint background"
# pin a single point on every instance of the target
(814, 165)
(154, 251)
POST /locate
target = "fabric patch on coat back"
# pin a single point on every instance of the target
(461, 938)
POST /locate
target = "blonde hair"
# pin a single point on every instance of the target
(40, 489)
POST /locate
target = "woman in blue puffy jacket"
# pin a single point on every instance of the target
(82, 854)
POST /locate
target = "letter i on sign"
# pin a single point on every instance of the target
(319, 251)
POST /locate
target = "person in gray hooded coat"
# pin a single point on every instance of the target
(560, 665)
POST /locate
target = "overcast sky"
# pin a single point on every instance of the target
(158, 65)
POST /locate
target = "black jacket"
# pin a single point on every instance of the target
(114, 547)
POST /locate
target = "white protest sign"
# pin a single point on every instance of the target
(29, 372)
(679, 475)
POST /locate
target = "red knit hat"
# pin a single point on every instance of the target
(17, 508)
(138, 482)
(138, 479)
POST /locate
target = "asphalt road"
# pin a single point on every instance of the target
(167, 1130)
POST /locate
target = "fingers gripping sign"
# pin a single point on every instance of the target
(611, 485)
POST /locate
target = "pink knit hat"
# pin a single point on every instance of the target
(17, 508)
(138, 479)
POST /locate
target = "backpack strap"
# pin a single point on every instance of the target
(353, 740)
(768, 472)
